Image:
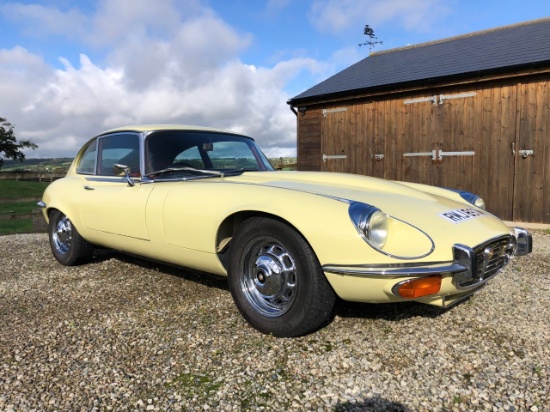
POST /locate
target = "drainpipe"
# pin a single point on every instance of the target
(292, 108)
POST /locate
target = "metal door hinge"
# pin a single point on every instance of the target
(336, 110)
(326, 157)
(438, 154)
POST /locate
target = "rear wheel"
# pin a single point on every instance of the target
(276, 280)
(68, 247)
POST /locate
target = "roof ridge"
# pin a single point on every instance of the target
(460, 36)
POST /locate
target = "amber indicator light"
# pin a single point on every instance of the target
(416, 288)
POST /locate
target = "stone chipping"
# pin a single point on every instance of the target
(124, 334)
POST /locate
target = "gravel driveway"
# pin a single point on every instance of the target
(124, 334)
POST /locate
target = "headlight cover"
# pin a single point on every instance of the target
(376, 227)
(473, 199)
(470, 198)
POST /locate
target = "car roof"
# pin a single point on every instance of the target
(158, 127)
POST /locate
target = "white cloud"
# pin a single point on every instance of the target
(174, 62)
(22, 74)
(161, 66)
(337, 16)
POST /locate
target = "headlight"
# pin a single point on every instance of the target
(371, 223)
(377, 229)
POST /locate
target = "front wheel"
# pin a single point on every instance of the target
(68, 247)
(276, 280)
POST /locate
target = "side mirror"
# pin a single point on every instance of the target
(118, 168)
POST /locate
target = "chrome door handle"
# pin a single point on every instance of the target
(89, 187)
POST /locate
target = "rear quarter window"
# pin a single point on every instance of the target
(87, 162)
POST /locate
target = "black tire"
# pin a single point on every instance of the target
(276, 280)
(68, 247)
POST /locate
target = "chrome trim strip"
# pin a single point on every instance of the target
(397, 270)
(105, 179)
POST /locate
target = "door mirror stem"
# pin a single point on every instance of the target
(126, 171)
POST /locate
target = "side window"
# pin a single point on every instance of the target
(122, 148)
(87, 161)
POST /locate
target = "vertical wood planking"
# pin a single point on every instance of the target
(499, 115)
(309, 140)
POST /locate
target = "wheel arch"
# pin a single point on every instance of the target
(55, 208)
(232, 223)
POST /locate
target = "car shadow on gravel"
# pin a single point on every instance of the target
(372, 404)
(387, 311)
(344, 309)
(203, 278)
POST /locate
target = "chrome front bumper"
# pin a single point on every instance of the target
(470, 268)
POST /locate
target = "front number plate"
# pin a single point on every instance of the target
(461, 215)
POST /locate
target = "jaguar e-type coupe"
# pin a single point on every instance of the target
(288, 242)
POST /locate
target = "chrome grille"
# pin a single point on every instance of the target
(488, 259)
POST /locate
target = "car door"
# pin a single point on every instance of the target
(108, 203)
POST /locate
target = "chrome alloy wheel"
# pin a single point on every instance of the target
(269, 280)
(62, 235)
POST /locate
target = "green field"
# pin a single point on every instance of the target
(36, 165)
(10, 191)
(13, 189)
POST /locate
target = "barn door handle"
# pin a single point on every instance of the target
(523, 153)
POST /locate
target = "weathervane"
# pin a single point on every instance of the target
(369, 32)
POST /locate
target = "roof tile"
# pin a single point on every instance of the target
(504, 48)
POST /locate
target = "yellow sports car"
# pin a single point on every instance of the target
(289, 242)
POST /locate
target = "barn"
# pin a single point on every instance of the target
(469, 112)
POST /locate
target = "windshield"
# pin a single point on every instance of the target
(183, 151)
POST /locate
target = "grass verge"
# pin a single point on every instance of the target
(10, 192)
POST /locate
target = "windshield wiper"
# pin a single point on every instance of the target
(241, 170)
(185, 169)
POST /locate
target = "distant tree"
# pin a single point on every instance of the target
(371, 42)
(9, 147)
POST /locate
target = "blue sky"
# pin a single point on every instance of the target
(71, 69)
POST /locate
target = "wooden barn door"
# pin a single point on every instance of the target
(481, 124)
(335, 146)
(347, 135)
(354, 138)
(418, 142)
(463, 140)
(531, 153)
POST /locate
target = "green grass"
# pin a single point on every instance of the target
(18, 207)
(13, 189)
(11, 227)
